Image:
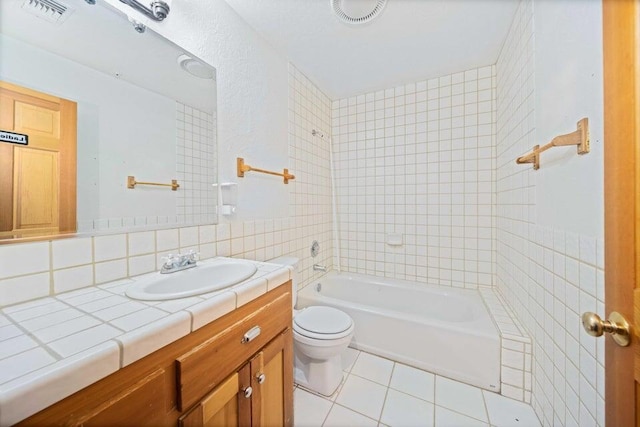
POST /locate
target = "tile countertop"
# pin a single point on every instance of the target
(54, 346)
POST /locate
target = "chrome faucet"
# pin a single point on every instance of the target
(173, 263)
(318, 267)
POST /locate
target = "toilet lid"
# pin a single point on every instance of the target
(323, 320)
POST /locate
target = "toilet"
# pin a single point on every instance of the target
(320, 336)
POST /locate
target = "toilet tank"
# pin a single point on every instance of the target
(289, 261)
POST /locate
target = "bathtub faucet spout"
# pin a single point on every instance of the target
(318, 267)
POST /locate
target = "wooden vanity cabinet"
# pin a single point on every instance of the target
(254, 395)
(200, 380)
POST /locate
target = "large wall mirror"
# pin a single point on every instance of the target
(87, 101)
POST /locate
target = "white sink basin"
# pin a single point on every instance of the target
(205, 277)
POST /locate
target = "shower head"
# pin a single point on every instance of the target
(317, 133)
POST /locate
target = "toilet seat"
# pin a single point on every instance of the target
(322, 323)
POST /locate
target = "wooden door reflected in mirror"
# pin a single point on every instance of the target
(37, 180)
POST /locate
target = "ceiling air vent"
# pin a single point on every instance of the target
(49, 10)
(357, 11)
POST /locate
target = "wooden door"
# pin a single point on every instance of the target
(272, 383)
(37, 181)
(226, 406)
(622, 204)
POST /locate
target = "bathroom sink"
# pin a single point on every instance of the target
(205, 277)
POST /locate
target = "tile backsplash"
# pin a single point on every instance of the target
(35, 270)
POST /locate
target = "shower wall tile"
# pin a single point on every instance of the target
(515, 365)
(310, 198)
(419, 160)
(547, 276)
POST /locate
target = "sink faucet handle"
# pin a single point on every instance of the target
(169, 260)
(193, 256)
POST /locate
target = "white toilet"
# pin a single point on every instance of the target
(320, 335)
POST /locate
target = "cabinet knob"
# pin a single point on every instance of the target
(260, 378)
(248, 392)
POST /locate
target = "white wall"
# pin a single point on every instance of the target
(252, 98)
(550, 264)
(568, 74)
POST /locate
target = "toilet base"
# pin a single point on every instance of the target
(320, 376)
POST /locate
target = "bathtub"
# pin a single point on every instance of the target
(443, 330)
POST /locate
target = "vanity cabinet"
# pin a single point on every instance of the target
(237, 370)
(254, 395)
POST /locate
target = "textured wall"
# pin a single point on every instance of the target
(252, 97)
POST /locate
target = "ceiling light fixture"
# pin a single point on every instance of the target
(195, 67)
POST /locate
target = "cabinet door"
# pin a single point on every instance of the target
(272, 383)
(225, 406)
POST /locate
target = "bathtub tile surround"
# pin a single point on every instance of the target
(405, 397)
(516, 358)
(419, 160)
(310, 194)
(550, 274)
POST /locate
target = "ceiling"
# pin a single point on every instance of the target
(103, 39)
(411, 40)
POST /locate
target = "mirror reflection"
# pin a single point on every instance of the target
(83, 84)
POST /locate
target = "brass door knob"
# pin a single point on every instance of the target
(617, 326)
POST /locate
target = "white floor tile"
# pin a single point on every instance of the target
(373, 368)
(413, 381)
(363, 396)
(343, 417)
(375, 395)
(335, 394)
(309, 410)
(447, 418)
(402, 410)
(505, 412)
(461, 398)
(349, 358)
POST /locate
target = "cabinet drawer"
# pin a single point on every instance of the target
(203, 368)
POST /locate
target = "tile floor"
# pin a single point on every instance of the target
(380, 392)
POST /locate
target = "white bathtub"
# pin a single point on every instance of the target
(446, 331)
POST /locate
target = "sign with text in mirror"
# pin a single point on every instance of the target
(14, 138)
(144, 107)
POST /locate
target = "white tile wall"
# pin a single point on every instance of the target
(548, 276)
(419, 160)
(196, 164)
(310, 197)
(196, 170)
